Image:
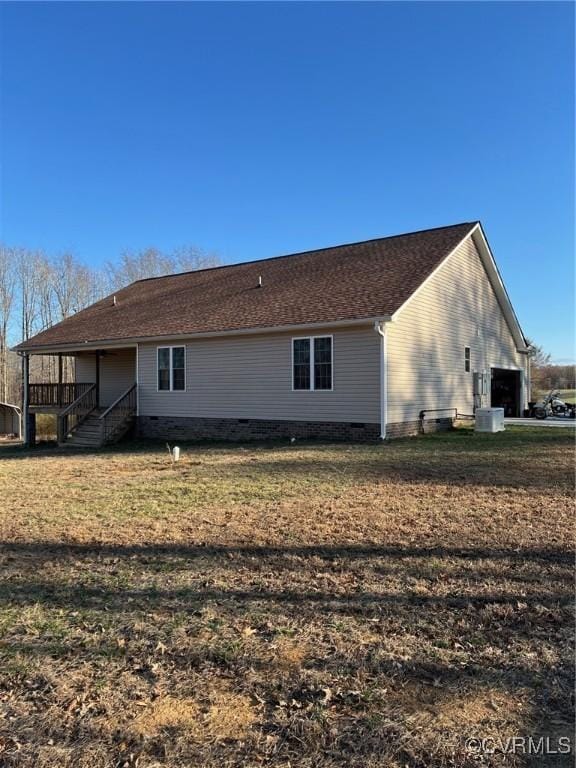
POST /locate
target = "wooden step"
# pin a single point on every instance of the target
(76, 443)
(90, 432)
(89, 446)
(81, 444)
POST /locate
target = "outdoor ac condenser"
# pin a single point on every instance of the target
(489, 420)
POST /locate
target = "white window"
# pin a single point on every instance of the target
(171, 369)
(467, 359)
(312, 363)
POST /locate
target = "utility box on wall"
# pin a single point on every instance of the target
(481, 385)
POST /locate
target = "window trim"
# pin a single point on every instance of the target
(467, 360)
(170, 369)
(312, 339)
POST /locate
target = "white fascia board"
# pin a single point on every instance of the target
(74, 349)
(134, 341)
(499, 288)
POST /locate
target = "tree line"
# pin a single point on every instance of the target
(552, 376)
(38, 290)
(546, 375)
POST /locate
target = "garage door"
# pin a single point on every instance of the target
(505, 391)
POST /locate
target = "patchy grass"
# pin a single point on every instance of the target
(304, 605)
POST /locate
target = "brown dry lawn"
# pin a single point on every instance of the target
(306, 605)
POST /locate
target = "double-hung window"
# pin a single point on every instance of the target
(312, 363)
(171, 369)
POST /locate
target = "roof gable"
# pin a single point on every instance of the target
(492, 274)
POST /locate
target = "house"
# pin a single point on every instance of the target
(363, 341)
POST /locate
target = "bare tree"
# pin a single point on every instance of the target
(544, 374)
(151, 262)
(47, 312)
(74, 286)
(28, 266)
(538, 355)
(90, 286)
(138, 265)
(188, 258)
(38, 290)
(7, 292)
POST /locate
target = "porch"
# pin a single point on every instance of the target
(52, 398)
(96, 408)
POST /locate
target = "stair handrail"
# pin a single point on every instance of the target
(118, 399)
(74, 410)
(117, 409)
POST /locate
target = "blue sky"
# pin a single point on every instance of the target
(255, 129)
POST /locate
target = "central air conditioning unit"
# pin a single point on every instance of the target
(489, 420)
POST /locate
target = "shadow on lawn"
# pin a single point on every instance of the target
(523, 606)
(518, 576)
(48, 550)
(187, 598)
(524, 568)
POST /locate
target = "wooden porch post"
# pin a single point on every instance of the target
(29, 425)
(97, 378)
(60, 381)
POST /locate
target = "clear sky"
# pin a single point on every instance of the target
(255, 129)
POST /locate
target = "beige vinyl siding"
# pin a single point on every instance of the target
(251, 377)
(85, 368)
(117, 372)
(457, 308)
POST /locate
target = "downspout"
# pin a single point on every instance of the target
(380, 328)
(528, 372)
(137, 381)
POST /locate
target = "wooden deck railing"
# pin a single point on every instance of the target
(116, 415)
(76, 412)
(56, 395)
